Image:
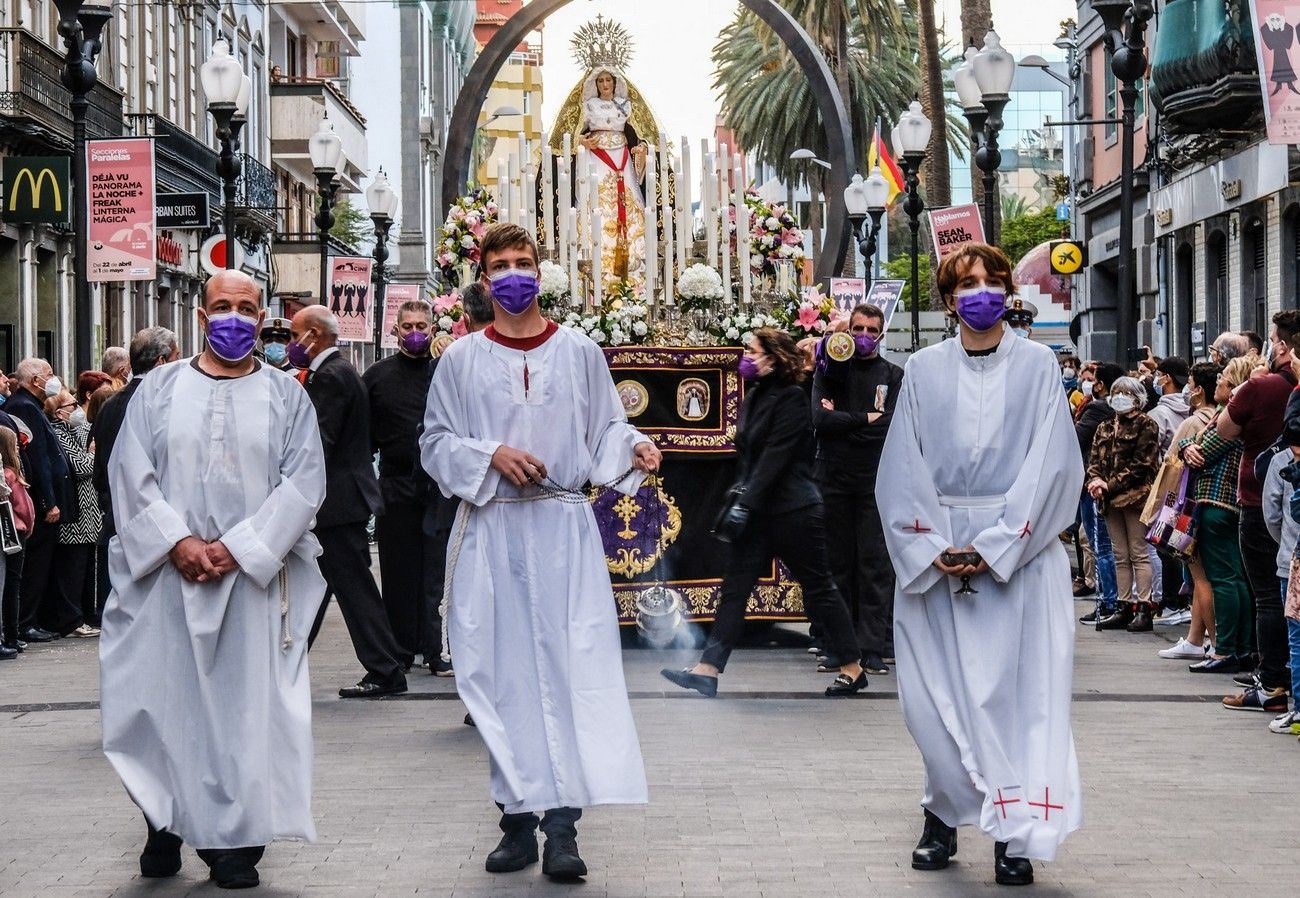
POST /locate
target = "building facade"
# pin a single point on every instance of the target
(517, 86)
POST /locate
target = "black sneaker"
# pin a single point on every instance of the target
(1247, 680)
(560, 859)
(516, 850)
(161, 857)
(874, 664)
(441, 668)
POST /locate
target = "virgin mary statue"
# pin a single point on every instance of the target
(618, 155)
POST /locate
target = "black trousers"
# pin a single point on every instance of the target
(555, 822)
(799, 539)
(399, 533)
(39, 552)
(103, 586)
(9, 603)
(345, 565)
(436, 528)
(72, 565)
(855, 540)
(252, 854)
(1259, 557)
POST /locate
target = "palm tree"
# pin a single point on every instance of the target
(976, 19)
(938, 178)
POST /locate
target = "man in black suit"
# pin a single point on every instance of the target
(351, 497)
(150, 348)
(50, 480)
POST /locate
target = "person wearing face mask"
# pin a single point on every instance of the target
(520, 417)
(780, 515)
(1089, 417)
(852, 406)
(73, 610)
(275, 338)
(1121, 469)
(51, 489)
(1020, 316)
(397, 388)
(979, 489)
(216, 475)
(351, 497)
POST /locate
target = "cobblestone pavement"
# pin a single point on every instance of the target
(770, 790)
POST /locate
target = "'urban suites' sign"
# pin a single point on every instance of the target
(120, 243)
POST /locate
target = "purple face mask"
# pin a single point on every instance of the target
(981, 307)
(748, 368)
(299, 356)
(231, 336)
(514, 290)
(415, 343)
(866, 344)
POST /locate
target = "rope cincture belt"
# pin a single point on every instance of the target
(549, 490)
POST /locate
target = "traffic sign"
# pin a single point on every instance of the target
(1067, 256)
(212, 255)
(1062, 211)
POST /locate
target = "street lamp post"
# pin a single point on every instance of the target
(1125, 23)
(226, 88)
(382, 201)
(81, 27)
(865, 199)
(911, 139)
(983, 82)
(325, 149)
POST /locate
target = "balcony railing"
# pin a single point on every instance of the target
(31, 89)
(255, 188)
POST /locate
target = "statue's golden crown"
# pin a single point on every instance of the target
(602, 43)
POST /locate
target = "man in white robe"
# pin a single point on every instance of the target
(531, 617)
(982, 457)
(216, 476)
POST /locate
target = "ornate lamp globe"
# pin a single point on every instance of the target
(380, 197)
(995, 68)
(912, 133)
(968, 87)
(325, 148)
(876, 190)
(855, 198)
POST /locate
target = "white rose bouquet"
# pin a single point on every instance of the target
(621, 321)
(737, 328)
(554, 287)
(699, 287)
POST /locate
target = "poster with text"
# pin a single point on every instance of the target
(885, 294)
(954, 227)
(350, 298)
(848, 292)
(120, 243)
(394, 296)
(1277, 54)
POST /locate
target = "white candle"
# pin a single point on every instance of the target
(503, 192)
(580, 179)
(742, 233)
(548, 198)
(568, 146)
(563, 198)
(651, 227)
(709, 208)
(596, 272)
(725, 245)
(684, 192)
(682, 238)
(571, 238)
(595, 234)
(665, 201)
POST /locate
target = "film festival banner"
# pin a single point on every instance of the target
(393, 299)
(885, 295)
(954, 227)
(848, 292)
(349, 299)
(121, 192)
(1277, 53)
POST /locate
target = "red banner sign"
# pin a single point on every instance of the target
(954, 227)
(120, 244)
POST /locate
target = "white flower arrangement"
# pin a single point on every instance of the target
(699, 287)
(737, 328)
(554, 286)
(622, 321)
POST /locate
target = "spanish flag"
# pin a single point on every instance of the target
(879, 155)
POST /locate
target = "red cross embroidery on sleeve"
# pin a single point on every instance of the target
(1025, 531)
(1046, 804)
(916, 527)
(1003, 802)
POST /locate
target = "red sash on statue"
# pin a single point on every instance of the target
(604, 157)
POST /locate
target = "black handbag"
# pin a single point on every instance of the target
(733, 517)
(10, 543)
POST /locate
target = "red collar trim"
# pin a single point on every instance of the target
(523, 344)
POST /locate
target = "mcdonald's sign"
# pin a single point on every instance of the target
(36, 189)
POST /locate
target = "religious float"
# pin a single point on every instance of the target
(667, 261)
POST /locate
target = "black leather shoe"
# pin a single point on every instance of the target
(560, 859)
(844, 686)
(1216, 665)
(705, 686)
(516, 850)
(7, 654)
(1120, 620)
(440, 668)
(232, 870)
(874, 664)
(1089, 618)
(1141, 622)
(937, 847)
(36, 634)
(161, 856)
(366, 689)
(1011, 871)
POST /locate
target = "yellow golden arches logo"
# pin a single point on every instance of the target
(35, 183)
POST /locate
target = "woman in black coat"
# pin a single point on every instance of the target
(780, 515)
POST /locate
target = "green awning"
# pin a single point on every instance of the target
(1198, 43)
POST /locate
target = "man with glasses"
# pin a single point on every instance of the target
(1228, 346)
(853, 403)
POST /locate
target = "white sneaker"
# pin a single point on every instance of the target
(1282, 723)
(1174, 618)
(1184, 649)
(85, 631)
